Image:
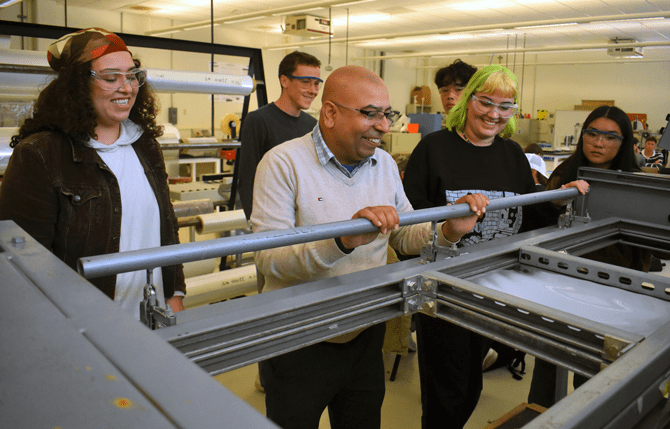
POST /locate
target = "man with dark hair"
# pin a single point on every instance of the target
(450, 82)
(275, 123)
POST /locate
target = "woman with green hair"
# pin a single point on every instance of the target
(470, 160)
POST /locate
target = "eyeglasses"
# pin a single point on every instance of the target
(113, 81)
(606, 137)
(306, 81)
(505, 110)
(456, 89)
(375, 116)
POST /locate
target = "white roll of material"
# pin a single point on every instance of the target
(211, 288)
(221, 221)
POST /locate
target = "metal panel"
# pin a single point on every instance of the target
(71, 353)
(643, 197)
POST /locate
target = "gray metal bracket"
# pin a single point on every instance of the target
(566, 219)
(152, 315)
(420, 295)
(430, 251)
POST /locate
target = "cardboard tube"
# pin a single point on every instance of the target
(221, 221)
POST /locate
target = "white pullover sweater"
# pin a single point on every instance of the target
(292, 188)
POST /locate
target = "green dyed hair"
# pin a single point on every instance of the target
(486, 80)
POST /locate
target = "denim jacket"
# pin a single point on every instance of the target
(67, 199)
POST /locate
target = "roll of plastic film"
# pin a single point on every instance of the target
(192, 208)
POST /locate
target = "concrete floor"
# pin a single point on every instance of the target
(402, 403)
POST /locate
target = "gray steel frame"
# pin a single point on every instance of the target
(229, 335)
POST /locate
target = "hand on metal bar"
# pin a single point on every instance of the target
(102, 265)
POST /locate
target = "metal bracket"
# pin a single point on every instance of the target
(565, 220)
(430, 251)
(614, 348)
(420, 295)
(151, 314)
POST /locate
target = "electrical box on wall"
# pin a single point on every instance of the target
(172, 115)
(307, 26)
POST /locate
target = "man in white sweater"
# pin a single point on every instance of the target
(336, 173)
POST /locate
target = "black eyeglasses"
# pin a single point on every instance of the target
(375, 116)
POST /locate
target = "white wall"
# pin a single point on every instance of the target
(636, 87)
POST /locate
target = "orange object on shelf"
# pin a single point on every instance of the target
(173, 180)
(228, 155)
(412, 128)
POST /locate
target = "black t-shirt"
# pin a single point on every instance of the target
(444, 167)
(262, 130)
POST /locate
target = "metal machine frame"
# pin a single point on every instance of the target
(632, 373)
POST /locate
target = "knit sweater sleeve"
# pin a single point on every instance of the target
(274, 208)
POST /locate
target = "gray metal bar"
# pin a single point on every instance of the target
(229, 144)
(103, 265)
(597, 272)
(615, 391)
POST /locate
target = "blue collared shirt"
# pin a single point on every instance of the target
(325, 155)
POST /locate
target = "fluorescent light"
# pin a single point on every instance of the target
(297, 13)
(243, 19)
(201, 26)
(351, 3)
(281, 48)
(545, 26)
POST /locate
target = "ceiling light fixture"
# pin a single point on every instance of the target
(352, 3)
(545, 26)
(243, 19)
(293, 9)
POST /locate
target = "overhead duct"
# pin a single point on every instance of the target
(307, 26)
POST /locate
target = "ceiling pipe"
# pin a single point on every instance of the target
(531, 50)
(562, 63)
(508, 26)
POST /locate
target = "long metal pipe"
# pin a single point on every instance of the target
(104, 265)
(226, 145)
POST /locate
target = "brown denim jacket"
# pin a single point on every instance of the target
(66, 198)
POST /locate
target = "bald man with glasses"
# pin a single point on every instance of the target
(336, 172)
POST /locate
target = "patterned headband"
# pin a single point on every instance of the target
(82, 46)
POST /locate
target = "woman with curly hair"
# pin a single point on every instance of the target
(87, 176)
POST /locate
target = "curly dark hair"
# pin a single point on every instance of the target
(458, 71)
(65, 106)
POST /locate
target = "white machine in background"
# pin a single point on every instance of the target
(568, 123)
